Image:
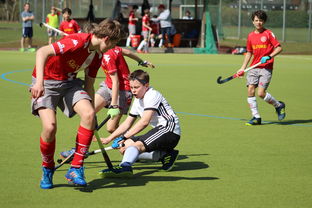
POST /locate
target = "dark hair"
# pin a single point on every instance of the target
(135, 7)
(68, 10)
(260, 14)
(139, 75)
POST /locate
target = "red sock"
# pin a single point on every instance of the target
(83, 140)
(47, 153)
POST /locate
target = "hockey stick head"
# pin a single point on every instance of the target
(40, 24)
(219, 81)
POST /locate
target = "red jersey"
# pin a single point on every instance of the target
(114, 62)
(69, 27)
(71, 53)
(262, 44)
(131, 20)
(145, 20)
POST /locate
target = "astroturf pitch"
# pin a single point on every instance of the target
(222, 162)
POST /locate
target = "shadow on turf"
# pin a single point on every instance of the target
(144, 176)
(289, 122)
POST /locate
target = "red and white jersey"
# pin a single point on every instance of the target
(69, 27)
(145, 20)
(262, 44)
(71, 53)
(114, 62)
(132, 21)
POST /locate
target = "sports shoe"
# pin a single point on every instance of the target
(117, 172)
(76, 176)
(46, 180)
(65, 154)
(281, 111)
(31, 49)
(169, 159)
(254, 121)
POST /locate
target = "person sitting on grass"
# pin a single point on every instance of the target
(153, 109)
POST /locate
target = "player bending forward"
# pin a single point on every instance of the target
(54, 84)
(263, 45)
(153, 109)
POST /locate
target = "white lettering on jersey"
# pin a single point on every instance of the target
(61, 46)
(107, 58)
(75, 42)
(116, 51)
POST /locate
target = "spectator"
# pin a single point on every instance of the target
(27, 18)
(188, 15)
(132, 24)
(53, 20)
(165, 25)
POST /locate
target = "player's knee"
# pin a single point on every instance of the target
(88, 116)
(49, 130)
(261, 94)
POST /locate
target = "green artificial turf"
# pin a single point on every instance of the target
(222, 162)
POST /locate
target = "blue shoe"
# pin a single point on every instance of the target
(254, 121)
(169, 159)
(281, 113)
(76, 176)
(46, 180)
(66, 154)
(117, 172)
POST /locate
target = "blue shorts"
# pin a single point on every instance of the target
(27, 32)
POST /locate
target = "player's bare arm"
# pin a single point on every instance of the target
(276, 51)
(120, 130)
(245, 63)
(141, 124)
(130, 54)
(89, 86)
(41, 56)
(115, 88)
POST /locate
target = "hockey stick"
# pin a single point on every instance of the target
(52, 28)
(70, 157)
(98, 139)
(219, 81)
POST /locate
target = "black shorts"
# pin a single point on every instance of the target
(158, 138)
(27, 32)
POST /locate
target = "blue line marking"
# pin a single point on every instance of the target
(10, 80)
(185, 113)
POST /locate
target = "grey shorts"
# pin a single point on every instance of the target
(132, 30)
(62, 94)
(125, 97)
(145, 34)
(259, 77)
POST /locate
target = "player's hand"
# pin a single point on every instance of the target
(37, 90)
(113, 112)
(240, 73)
(264, 59)
(117, 142)
(105, 140)
(146, 64)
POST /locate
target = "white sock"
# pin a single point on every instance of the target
(271, 100)
(253, 106)
(160, 43)
(153, 156)
(128, 41)
(131, 155)
(152, 42)
(142, 44)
